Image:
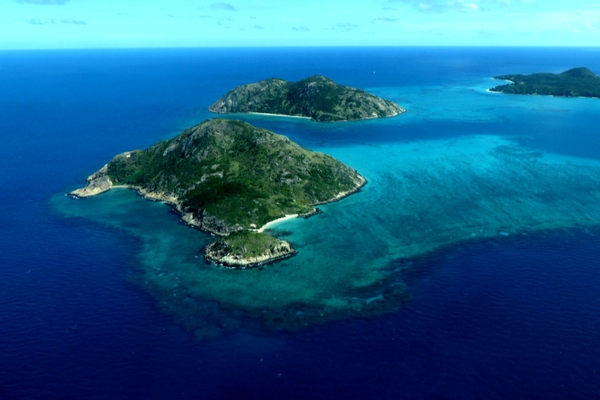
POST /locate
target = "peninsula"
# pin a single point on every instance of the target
(576, 82)
(230, 178)
(316, 97)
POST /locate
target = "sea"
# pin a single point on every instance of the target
(467, 268)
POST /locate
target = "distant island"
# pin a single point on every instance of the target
(230, 178)
(576, 82)
(316, 97)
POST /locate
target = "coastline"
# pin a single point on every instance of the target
(536, 94)
(314, 211)
(489, 90)
(237, 263)
(345, 194)
(190, 220)
(278, 115)
(99, 182)
(402, 111)
(309, 118)
(541, 95)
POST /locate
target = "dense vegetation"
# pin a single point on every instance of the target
(316, 97)
(234, 173)
(576, 82)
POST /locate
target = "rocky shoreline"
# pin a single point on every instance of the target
(361, 182)
(220, 253)
(217, 252)
(99, 182)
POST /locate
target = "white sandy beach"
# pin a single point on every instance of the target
(276, 221)
(279, 115)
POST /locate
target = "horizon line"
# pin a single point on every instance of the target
(295, 47)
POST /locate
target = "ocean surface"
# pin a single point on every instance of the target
(467, 268)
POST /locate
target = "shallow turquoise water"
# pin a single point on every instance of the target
(423, 195)
(513, 316)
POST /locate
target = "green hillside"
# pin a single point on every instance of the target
(317, 97)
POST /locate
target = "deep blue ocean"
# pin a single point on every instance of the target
(515, 317)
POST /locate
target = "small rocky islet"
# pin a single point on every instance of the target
(317, 97)
(230, 178)
(576, 82)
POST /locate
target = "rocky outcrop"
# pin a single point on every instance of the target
(97, 183)
(317, 97)
(221, 252)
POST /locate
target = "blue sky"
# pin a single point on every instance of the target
(35, 24)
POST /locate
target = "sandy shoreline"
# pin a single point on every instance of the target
(338, 197)
(276, 221)
(279, 115)
(496, 79)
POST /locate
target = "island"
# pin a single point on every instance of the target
(316, 97)
(231, 179)
(576, 82)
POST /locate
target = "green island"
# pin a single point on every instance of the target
(316, 97)
(244, 249)
(576, 82)
(231, 179)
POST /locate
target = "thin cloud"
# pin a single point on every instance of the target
(69, 21)
(258, 27)
(439, 6)
(301, 29)
(222, 7)
(346, 27)
(384, 19)
(43, 2)
(72, 21)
